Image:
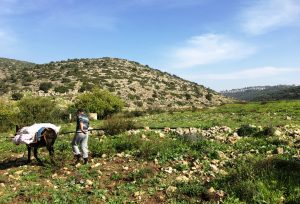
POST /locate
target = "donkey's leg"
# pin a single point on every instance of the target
(51, 153)
(35, 153)
(28, 154)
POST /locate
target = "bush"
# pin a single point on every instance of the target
(86, 87)
(17, 96)
(247, 130)
(116, 125)
(37, 110)
(45, 86)
(191, 189)
(8, 114)
(99, 101)
(257, 180)
(269, 131)
(61, 89)
(209, 96)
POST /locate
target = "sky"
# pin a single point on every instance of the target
(221, 44)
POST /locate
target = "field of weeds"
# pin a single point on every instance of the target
(238, 153)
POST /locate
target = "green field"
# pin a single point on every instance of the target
(155, 167)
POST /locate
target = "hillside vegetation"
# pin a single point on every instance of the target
(265, 93)
(140, 86)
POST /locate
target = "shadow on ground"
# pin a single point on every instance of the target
(10, 163)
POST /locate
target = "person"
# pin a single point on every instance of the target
(81, 137)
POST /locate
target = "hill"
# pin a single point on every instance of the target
(140, 86)
(265, 93)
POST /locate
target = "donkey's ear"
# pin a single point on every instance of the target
(17, 128)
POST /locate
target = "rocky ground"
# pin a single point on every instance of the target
(185, 165)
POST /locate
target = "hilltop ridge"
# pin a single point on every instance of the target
(265, 93)
(140, 86)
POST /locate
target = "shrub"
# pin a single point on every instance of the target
(257, 180)
(116, 125)
(17, 96)
(37, 109)
(65, 80)
(7, 115)
(209, 96)
(269, 131)
(86, 87)
(99, 101)
(247, 130)
(45, 86)
(191, 189)
(61, 89)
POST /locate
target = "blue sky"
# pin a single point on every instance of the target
(221, 44)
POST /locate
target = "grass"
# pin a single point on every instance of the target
(232, 115)
(147, 168)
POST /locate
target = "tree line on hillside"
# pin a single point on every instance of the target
(269, 93)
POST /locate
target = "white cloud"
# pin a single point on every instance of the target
(208, 49)
(267, 15)
(254, 73)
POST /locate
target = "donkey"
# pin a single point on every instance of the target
(47, 140)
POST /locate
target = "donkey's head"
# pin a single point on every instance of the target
(50, 136)
(17, 128)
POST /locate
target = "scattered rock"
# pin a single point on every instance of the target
(233, 139)
(223, 172)
(170, 190)
(279, 150)
(277, 133)
(214, 168)
(138, 194)
(222, 155)
(161, 135)
(182, 179)
(179, 131)
(211, 191)
(103, 155)
(89, 182)
(167, 129)
(17, 177)
(95, 165)
(254, 151)
(235, 134)
(19, 172)
(169, 170)
(121, 155)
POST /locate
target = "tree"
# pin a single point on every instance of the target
(99, 101)
(37, 109)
